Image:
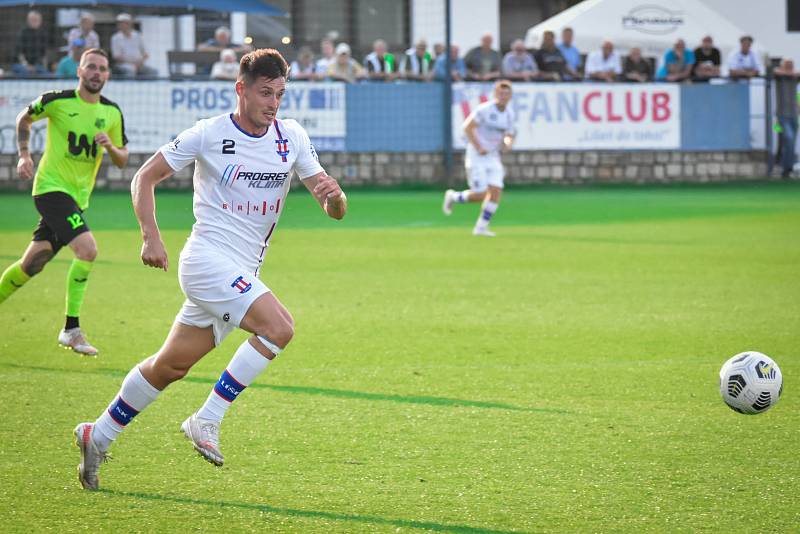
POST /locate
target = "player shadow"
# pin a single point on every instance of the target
(311, 514)
(327, 392)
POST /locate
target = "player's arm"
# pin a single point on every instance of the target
(508, 141)
(470, 127)
(155, 170)
(328, 194)
(25, 163)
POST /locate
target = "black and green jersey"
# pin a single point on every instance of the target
(71, 155)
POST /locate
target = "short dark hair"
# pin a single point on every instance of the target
(98, 51)
(262, 62)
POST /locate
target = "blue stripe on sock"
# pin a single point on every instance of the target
(486, 215)
(122, 412)
(228, 387)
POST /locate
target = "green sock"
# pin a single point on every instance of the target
(13, 278)
(77, 279)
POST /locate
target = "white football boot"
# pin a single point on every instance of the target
(91, 457)
(75, 340)
(204, 435)
(449, 200)
(482, 231)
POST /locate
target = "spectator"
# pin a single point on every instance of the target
(551, 63)
(417, 63)
(128, 51)
(637, 68)
(677, 64)
(227, 68)
(326, 48)
(344, 68)
(786, 79)
(85, 31)
(68, 66)
(30, 51)
(438, 50)
(483, 62)
(303, 68)
(222, 41)
(571, 54)
(458, 70)
(379, 63)
(707, 60)
(603, 65)
(744, 63)
(518, 64)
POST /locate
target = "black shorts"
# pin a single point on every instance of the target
(61, 219)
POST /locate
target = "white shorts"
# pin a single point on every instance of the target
(483, 172)
(218, 292)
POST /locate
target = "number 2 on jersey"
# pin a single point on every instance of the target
(227, 146)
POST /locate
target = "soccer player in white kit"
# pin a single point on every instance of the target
(489, 130)
(243, 165)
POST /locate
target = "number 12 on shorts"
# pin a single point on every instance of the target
(75, 220)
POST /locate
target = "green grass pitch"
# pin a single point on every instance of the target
(561, 377)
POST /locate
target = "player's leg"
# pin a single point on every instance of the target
(185, 345)
(494, 180)
(32, 262)
(476, 180)
(273, 328)
(64, 219)
(488, 209)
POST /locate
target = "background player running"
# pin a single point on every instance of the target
(81, 126)
(243, 166)
(489, 130)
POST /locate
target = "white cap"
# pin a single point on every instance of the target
(124, 17)
(342, 48)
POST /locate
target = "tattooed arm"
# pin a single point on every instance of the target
(25, 163)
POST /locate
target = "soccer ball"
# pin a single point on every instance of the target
(750, 383)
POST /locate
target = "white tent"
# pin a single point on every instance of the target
(652, 25)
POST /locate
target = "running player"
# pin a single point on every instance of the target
(243, 166)
(489, 130)
(81, 126)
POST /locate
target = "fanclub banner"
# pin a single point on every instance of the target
(577, 116)
(156, 111)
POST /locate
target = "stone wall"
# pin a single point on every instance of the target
(541, 167)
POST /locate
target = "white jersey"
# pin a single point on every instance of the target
(240, 183)
(492, 126)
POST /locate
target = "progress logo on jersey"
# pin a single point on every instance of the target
(255, 179)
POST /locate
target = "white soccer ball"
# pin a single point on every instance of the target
(750, 383)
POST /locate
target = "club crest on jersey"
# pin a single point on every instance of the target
(241, 285)
(282, 148)
(282, 144)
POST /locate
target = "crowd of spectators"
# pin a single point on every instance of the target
(550, 61)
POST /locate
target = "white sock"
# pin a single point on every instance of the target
(462, 196)
(134, 396)
(488, 210)
(244, 367)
